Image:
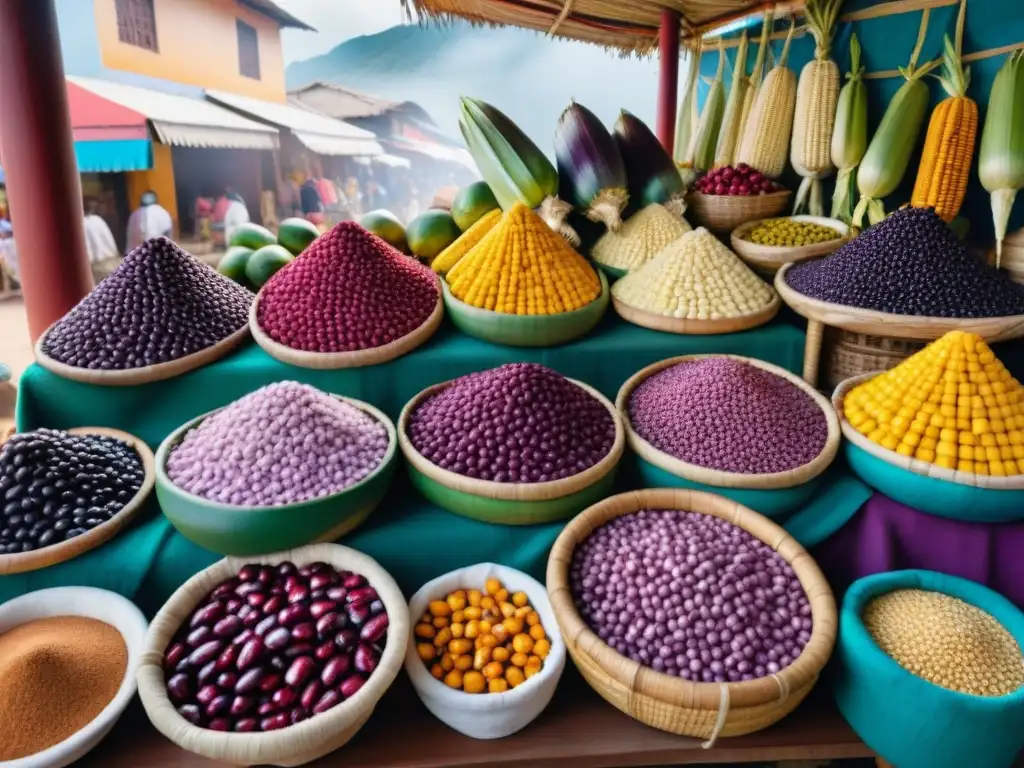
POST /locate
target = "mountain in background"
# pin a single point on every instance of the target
(527, 75)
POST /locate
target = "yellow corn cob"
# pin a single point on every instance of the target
(949, 144)
(728, 134)
(816, 98)
(766, 138)
(451, 255)
(756, 77)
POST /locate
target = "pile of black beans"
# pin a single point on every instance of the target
(55, 486)
(911, 263)
(159, 305)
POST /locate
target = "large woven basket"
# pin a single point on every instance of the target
(297, 744)
(1012, 260)
(852, 354)
(703, 710)
(723, 213)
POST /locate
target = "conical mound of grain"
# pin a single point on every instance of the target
(522, 267)
(953, 404)
(697, 278)
(640, 239)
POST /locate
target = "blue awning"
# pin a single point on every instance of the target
(114, 156)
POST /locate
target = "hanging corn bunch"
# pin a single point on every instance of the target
(816, 96)
(729, 133)
(765, 144)
(949, 144)
(689, 114)
(888, 155)
(849, 135)
(1001, 162)
(706, 139)
(750, 95)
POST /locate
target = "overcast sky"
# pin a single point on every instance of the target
(336, 21)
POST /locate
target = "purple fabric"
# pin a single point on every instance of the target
(887, 536)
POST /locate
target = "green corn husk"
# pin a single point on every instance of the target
(729, 132)
(850, 135)
(689, 113)
(710, 119)
(888, 155)
(1001, 160)
(652, 176)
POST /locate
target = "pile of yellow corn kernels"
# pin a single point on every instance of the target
(482, 642)
(946, 641)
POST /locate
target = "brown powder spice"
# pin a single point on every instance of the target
(56, 676)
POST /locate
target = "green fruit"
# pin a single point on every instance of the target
(265, 262)
(387, 227)
(253, 236)
(472, 203)
(431, 232)
(296, 234)
(233, 263)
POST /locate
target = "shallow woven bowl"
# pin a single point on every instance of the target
(697, 327)
(526, 330)
(925, 486)
(358, 359)
(672, 703)
(771, 495)
(769, 258)
(510, 503)
(99, 604)
(723, 213)
(236, 530)
(884, 702)
(297, 744)
(95, 537)
(491, 715)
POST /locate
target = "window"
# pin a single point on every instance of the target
(248, 50)
(136, 23)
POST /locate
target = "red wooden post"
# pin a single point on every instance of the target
(668, 81)
(39, 161)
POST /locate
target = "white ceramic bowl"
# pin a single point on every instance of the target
(100, 604)
(487, 715)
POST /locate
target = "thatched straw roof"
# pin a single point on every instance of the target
(630, 25)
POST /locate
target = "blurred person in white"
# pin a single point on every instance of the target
(149, 220)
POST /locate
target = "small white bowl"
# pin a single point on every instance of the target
(104, 606)
(487, 715)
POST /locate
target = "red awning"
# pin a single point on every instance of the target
(94, 118)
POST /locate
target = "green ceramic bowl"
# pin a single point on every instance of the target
(526, 330)
(511, 503)
(614, 273)
(232, 530)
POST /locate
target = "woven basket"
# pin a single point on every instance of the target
(297, 744)
(767, 259)
(1012, 260)
(703, 710)
(852, 354)
(723, 213)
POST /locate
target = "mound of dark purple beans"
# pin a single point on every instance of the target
(55, 486)
(274, 646)
(911, 263)
(159, 305)
(690, 595)
(520, 423)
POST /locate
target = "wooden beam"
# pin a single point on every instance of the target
(668, 80)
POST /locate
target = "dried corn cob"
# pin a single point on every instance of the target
(756, 78)
(729, 133)
(1001, 161)
(689, 114)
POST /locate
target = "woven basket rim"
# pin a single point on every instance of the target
(888, 324)
(774, 256)
(308, 737)
(171, 442)
(131, 377)
(908, 463)
(720, 478)
(338, 360)
(696, 327)
(674, 691)
(94, 537)
(747, 201)
(552, 489)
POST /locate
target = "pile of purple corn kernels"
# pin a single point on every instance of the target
(159, 305)
(725, 414)
(347, 292)
(911, 263)
(274, 646)
(284, 443)
(520, 423)
(690, 595)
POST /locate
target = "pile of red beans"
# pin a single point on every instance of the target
(347, 292)
(274, 646)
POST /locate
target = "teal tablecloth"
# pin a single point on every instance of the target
(411, 538)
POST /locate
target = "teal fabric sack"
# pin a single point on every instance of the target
(909, 721)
